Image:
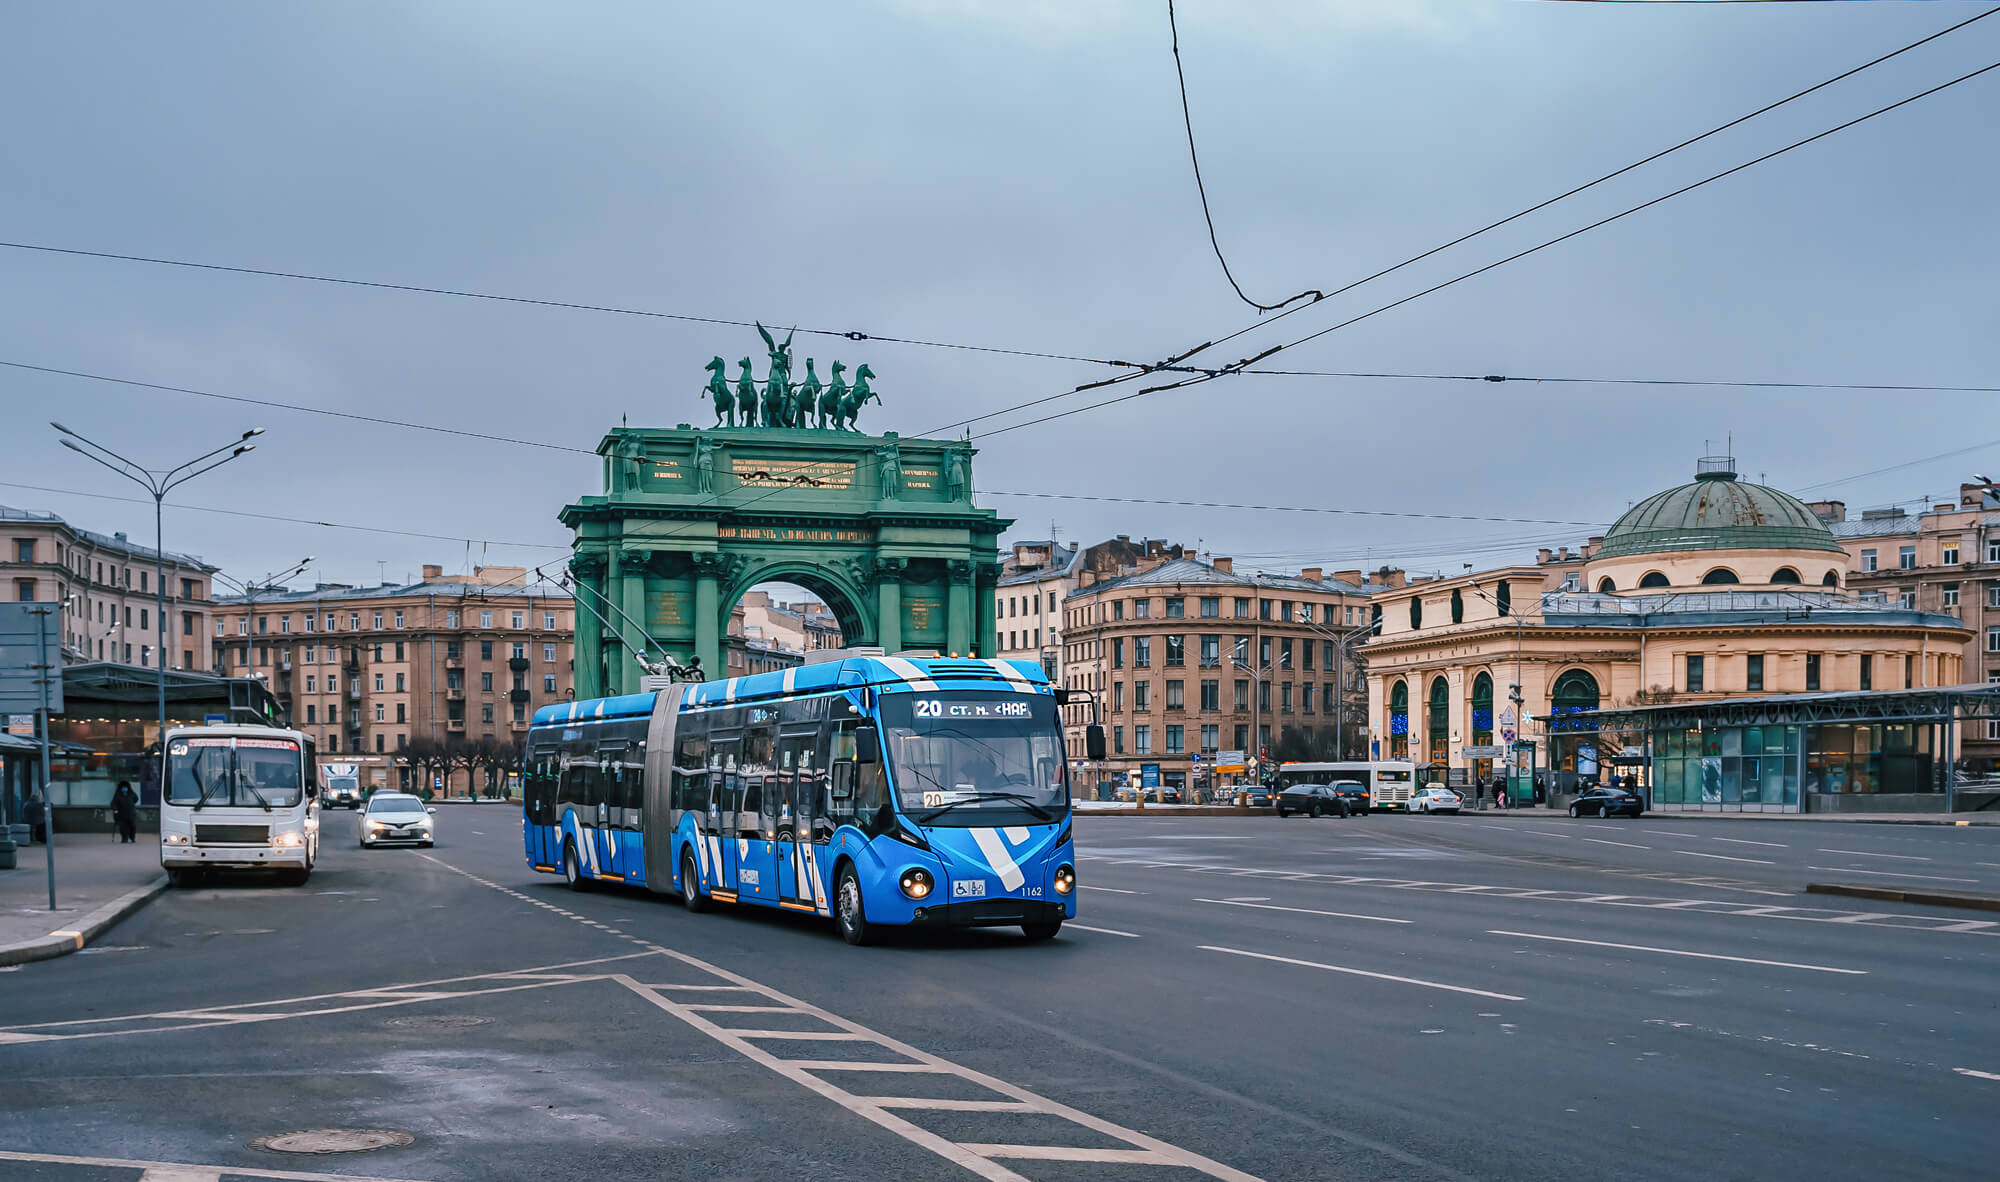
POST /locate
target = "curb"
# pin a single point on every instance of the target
(1218, 810)
(1898, 895)
(66, 941)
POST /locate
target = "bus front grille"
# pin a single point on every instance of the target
(232, 834)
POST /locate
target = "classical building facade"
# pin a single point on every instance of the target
(1945, 559)
(104, 583)
(366, 670)
(1036, 578)
(1710, 590)
(1190, 658)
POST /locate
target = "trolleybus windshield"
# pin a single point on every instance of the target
(975, 759)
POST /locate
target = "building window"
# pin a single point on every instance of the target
(1263, 609)
(1211, 734)
(549, 653)
(380, 712)
(1416, 612)
(1867, 671)
(1176, 695)
(1951, 553)
(24, 590)
(451, 619)
(1142, 609)
(1694, 672)
(354, 625)
(1993, 640)
(399, 619)
(1176, 743)
(1211, 607)
(1241, 698)
(24, 549)
(1142, 695)
(1867, 561)
(549, 620)
(1754, 676)
(520, 712)
(486, 712)
(1950, 594)
(400, 686)
(221, 626)
(1264, 696)
(548, 683)
(1812, 671)
(1906, 598)
(1906, 558)
(1176, 607)
(1909, 671)
(1993, 595)
(1240, 735)
(1211, 650)
(1117, 740)
(1142, 740)
(485, 619)
(485, 683)
(1142, 652)
(1285, 653)
(1118, 697)
(1211, 695)
(520, 621)
(485, 650)
(1118, 652)
(1306, 698)
(1285, 698)
(312, 683)
(1993, 551)
(1264, 652)
(309, 714)
(520, 650)
(311, 620)
(402, 712)
(378, 683)
(1176, 650)
(285, 625)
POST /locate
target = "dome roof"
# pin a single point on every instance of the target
(1717, 512)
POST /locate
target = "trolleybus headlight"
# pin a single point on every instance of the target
(1065, 879)
(174, 839)
(916, 883)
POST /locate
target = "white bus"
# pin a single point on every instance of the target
(1390, 782)
(238, 798)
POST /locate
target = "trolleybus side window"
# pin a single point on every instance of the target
(541, 788)
(691, 774)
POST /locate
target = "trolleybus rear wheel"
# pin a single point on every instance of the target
(691, 896)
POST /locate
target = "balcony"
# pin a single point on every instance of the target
(353, 690)
(517, 664)
(518, 725)
(454, 662)
(455, 725)
(454, 694)
(519, 695)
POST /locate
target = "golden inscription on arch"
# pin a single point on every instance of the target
(802, 474)
(768, 533)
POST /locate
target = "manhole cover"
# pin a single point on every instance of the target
(437, 1021)
(333, 1141)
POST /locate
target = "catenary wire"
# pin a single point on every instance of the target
(1352, 320)
(568, 305)
(1194, 159)
(1174, 360)
(1280, 508)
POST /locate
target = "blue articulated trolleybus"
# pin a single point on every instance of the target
(875, 790)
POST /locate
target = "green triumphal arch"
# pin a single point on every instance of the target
(882, 528)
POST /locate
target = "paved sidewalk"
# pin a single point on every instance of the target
(97, 880)
(1989, 817)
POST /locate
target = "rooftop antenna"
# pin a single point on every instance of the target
(380, 571)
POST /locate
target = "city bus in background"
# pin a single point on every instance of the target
(340, 786)
(874, 790)
(238, 797)
(1390, 782)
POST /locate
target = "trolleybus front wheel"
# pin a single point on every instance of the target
(691, 896)
(1042, 931)
(847, 910)
(572, 870)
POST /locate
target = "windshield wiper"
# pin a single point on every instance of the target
(1026, 802)
(252, 790)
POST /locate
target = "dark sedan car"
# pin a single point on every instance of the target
(1258, 796)
(1314, 800)
(1607, 802)
(1354, 793)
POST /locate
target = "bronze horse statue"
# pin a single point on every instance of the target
(718, 389)
(850, 409)
(746, 395)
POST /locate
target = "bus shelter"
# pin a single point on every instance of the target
(1850, 751)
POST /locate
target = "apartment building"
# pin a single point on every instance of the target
(104, 583)
(1036, 579)
(1943, 559)
(1192, 658)
(368, 669)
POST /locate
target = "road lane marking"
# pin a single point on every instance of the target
(1103, 931)
(1724, 857)
(1780, 964)
(1888, 874)
(1114, 890)
(1335, 968)
(1302, 910)
(1976, 1074)
(1628, 845)
(1866, 854)
(166, 1169)
(1776, 845)
(1141, 1157)
(180, 1174)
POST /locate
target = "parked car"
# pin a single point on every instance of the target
(1259, 796)
(1436, 798)
(397, 817)
(1607, 802)
(1313, 800)
(1355, 793)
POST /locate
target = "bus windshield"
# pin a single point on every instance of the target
(972, 759)
(219, 771)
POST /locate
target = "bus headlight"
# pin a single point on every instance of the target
(1065, 879)
(174, 839)
(916, 883)
(288, 840)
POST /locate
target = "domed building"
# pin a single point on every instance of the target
(1712, 591)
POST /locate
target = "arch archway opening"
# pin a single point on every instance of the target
(1606, 586)
(1785, 576)
(776, 622)
(1653, 578)
(1832, 579)
(1719, 577)
(1399, 720)
(1439, 710)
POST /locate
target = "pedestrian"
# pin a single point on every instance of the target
(36, 815)
(125, 810)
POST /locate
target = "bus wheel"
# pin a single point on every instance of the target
(181, 879)
(691, 896)
(1042, 931)
(572, 870)
(848, 913)
(296, 877)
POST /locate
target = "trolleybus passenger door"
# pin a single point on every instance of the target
(794, 815)
(725, 799)
(627, 799)
(601, 813)
(539, 809)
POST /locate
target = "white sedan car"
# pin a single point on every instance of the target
(1434, 798)
(396, 817)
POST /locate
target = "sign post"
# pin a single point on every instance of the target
(30, 681)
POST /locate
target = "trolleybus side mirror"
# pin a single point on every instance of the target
(867, 745)
(1093, 741)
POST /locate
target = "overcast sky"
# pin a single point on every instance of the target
(991, 172)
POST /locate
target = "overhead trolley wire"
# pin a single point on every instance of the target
(1169, 364)
(1238, 367)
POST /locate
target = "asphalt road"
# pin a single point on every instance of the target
(1469, 997)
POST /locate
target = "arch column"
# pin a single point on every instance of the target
(707, 614)
(588, 676)
(889, 603)
(960, 627)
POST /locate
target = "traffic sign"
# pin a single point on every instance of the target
(1507, 734)
(1195, 759)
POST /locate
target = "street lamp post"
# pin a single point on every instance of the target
(159, 484)
(1341, 639)
(1256, 706)
(249, 590)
